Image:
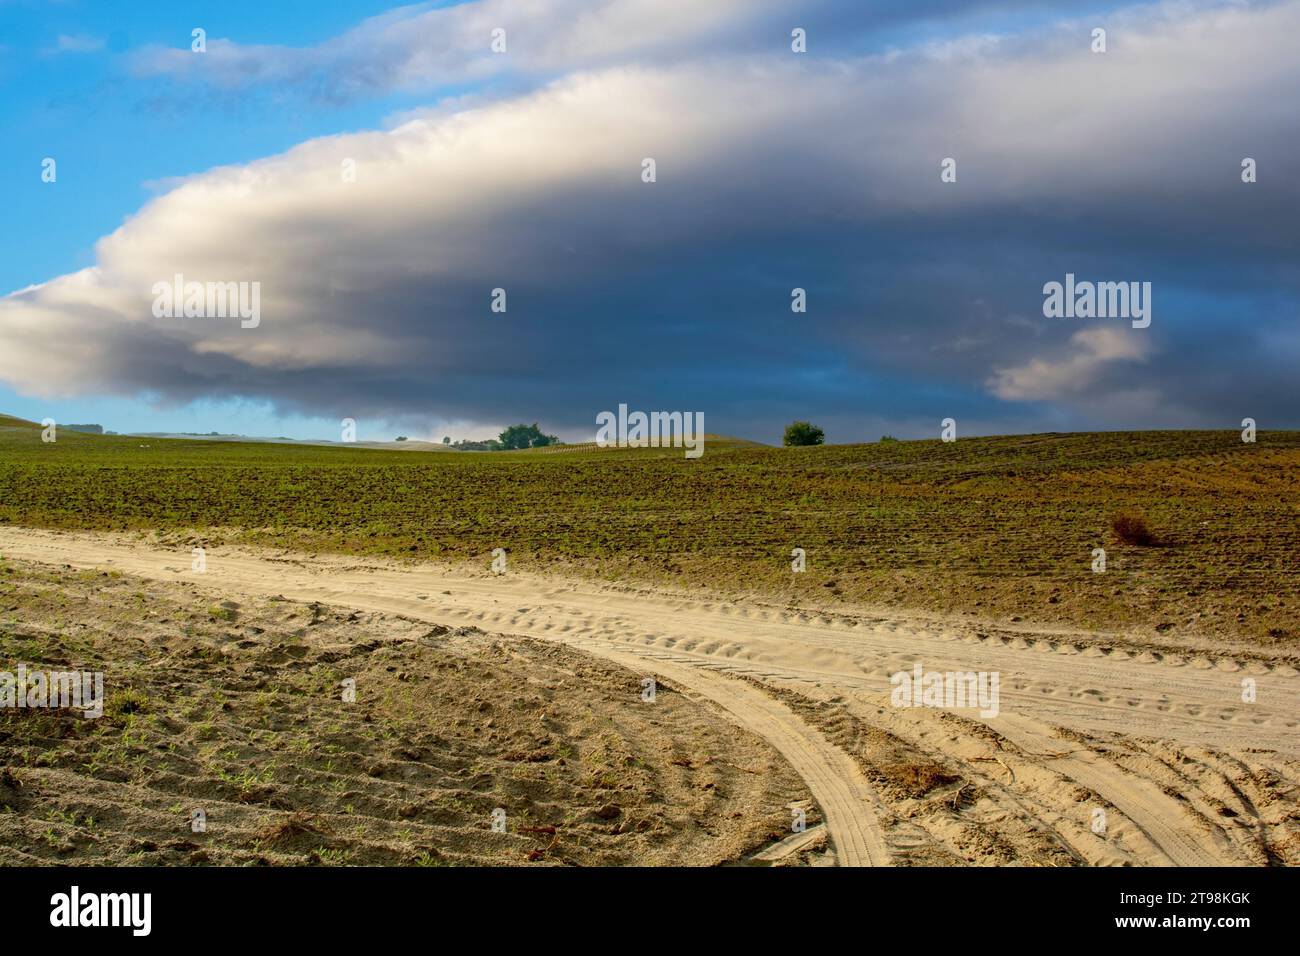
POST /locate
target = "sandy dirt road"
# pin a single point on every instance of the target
(1183, 771)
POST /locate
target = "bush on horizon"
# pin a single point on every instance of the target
(525, 436)
(803, 433)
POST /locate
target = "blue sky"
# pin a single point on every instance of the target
(818, 171)
(117, 138)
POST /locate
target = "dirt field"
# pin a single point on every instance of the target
(235, 708)
(1105, 750)
(1000, 528)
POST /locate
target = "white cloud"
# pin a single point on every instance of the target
(1087, 356)
(377, 290)
(79, 43)
(421, 46)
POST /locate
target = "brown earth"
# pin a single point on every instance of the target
(1107, 748)
(235, 708)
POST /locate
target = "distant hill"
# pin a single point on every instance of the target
(711, 441)
(406, 445)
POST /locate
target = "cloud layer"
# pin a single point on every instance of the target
(774, 171)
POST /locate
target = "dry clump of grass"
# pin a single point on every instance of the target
(918, 779)
(285, 830)
(1132, 529)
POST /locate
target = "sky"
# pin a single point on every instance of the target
(378, 171)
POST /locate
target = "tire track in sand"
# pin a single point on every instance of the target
(1146, 806)
(835, 781)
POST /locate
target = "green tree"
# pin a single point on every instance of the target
(803, 433)
(525, 436)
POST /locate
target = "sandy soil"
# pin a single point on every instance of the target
(1153, 738)
(236, 708)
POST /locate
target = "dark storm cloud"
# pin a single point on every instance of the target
(774, 172)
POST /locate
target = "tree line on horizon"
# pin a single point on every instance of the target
(514, 438)
(519, 437)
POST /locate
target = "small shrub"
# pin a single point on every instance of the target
(1132, 529)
